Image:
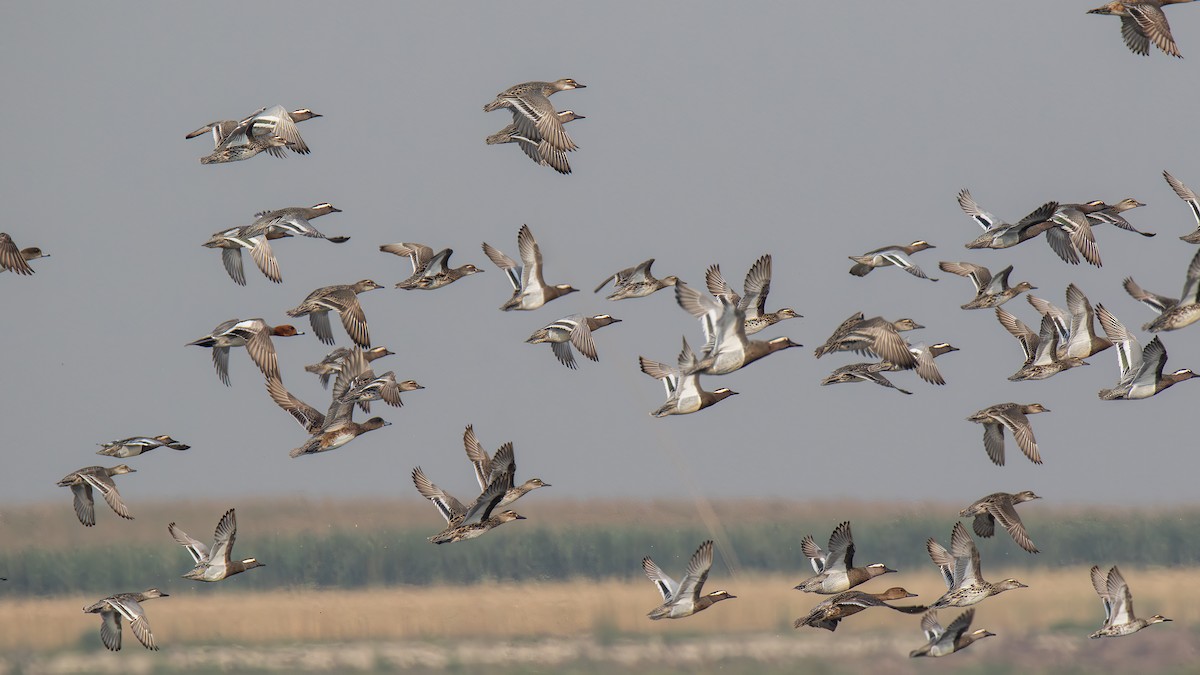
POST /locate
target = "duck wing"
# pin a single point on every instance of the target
(1017, 328)
(478, 457)
(717, 285)
(667, 587)
(85, 506)
(984, 219)
(1153, 24)
(1018, 425)
(1129, 350)
(418, 254)
(231, 258)
(697, 572)
(1158, 303)
(1100, 583)
(979, 275)
(581, 337)
(446, 504)
(1005, 512)
(108, 489)
(1185, 193)
(756, 287)
(195, 547)
(309, 417)
(505, 263)
(224, 536)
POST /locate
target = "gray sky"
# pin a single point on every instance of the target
(714, 134)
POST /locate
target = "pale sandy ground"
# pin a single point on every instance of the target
(543, 627)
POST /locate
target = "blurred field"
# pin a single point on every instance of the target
(352, 586)
(53, 526)
(541, 624)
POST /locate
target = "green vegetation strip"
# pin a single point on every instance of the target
(354, 558)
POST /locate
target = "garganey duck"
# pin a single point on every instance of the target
(862, 372)
(1141, 22)
(926, 368)
(17, 259)
(727, 348)
(684, 393)
(293, 221)
(960, 571)
(1076, 327)
(946, 641)
(466, 522)
(365, 386)
(1112, 215)
(84, 480)
(835, 570)
(254, 335)
(125, 606)
(343, 299)
(873, 337)
(335, 360)
(571, 330)
(1042, 359)
(999, 234)
(533, 114)
(529, 287)
(1119, 618)
(430, 270)
(756, 286)
(136, 445)
(1011, 416)
(1001, 506)
(531, 142)
(636, 282)
(1071, 235)
(502, 465)
(890, 255)
(233, 241)
(275, 121)
(830, 612)
(990, 291)
(240, 147)
(328, 431)
(684, 598)
(1173, 314)
(1141, 369)
(214, 564)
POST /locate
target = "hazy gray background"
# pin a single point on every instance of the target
(714, 134)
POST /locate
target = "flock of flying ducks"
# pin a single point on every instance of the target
(728, 319)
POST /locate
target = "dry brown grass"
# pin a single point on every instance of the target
(765, 604)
